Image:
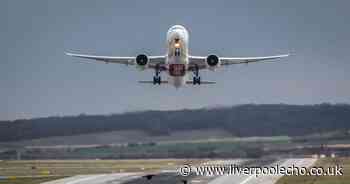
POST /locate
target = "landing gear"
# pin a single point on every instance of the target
(157, 79)
(196, 77)
(196, 80)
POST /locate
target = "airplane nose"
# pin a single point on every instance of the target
(176, 36)
(177, 32)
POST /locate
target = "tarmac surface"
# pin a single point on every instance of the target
(165, 177)
(262, 179)
(97, 179)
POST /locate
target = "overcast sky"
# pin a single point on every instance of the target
(38, 80)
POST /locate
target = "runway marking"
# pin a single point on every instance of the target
(196, 181)
(247, 179)
(84, 179)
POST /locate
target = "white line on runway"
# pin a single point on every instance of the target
(247, 179)
(85, 179)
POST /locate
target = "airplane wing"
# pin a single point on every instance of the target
(200, 61)
(153, 60)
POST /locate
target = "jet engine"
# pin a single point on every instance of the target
(213, 62)
(141, 61)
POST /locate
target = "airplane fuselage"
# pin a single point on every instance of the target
(177, 55)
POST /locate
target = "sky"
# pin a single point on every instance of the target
(38, 80)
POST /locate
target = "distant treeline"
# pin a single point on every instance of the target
(242, 120)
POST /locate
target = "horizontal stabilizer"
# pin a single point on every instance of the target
(187, 82)
(202, 82)
(151, 82)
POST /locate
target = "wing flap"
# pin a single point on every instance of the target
(200, 61)
(107, 59)
(153, 60)
(242, 60)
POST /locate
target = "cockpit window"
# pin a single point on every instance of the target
(177, 27)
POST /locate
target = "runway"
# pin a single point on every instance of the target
(262, 179)
(97, 179)
(164, 176)
(175, 178)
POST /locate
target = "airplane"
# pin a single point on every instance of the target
(177, 62)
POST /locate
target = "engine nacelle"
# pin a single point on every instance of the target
(141, 61)
(213, 62)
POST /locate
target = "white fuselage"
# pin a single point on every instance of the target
(177, 55)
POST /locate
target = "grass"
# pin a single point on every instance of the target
(201, 149)
(272, 139)
(74, 167)
(325, 163)
(28, 180)
(209, 148)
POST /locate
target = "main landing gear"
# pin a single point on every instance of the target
(196, 77)
(157, 79)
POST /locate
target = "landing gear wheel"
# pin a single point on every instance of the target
(196, 80)
(157, 80)
(154, 80)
